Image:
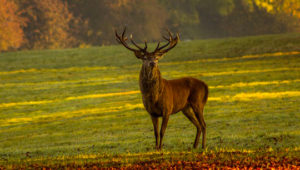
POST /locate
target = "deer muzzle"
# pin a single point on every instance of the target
(152, 63)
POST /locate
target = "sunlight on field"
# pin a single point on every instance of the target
(124, 107)
(178, 74)
(167, 158)
(80, 106)
(262, 95)
(242, 96)
(122, 78)
(244, 72)
(79, 82)
(26, 103)
(70, 69)
(144, 155)
(65, 83)
(272, 54)
(258, 83)
(69, 114)
(256, 96)
(234, 58)
(80, 69)
(68, 98)
(101, 95)
(19, 71)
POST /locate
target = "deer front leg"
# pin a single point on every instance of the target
(163, 128)
(155, 126)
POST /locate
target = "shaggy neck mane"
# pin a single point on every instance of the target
(150, 82)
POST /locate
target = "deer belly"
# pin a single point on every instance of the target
(179, 103)
(177, 109)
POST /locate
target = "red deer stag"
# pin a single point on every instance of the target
(163, 97)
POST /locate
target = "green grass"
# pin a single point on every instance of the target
(118, 125)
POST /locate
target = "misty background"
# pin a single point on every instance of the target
(49, 24)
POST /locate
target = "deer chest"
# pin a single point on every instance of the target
(153, 107)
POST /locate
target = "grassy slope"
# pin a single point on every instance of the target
(118, 124)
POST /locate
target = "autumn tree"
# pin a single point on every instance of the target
(249, 19)
(11, 33)
(41, 24)
(49, 24)
(95, 18)
(287, 11)
(255, 17)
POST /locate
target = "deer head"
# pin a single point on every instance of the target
(149, 59)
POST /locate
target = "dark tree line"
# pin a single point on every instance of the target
(36, 24)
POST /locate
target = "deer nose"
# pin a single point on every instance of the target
(152, 63)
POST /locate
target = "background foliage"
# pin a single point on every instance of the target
(11, 33)
(49, 23)
(72, 23)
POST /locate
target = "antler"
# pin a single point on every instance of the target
(171, 41)
(140, 48)
(122, 40)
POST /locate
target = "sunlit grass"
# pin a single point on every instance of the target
(237, 97)
(91, 96)
(77, 69)
(70, 69)
(69, 114)
(258, 83)
(124, 107)
(85, 104)
(277, 54)
(237, 72)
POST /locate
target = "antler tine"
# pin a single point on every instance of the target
(177, 37)
(170, 34)
(123, 34)
(171, 41)
(117, 36)
(145, 46)
(122, 40)
(140, 48)
(157, 47)
(168, 39)
(163, 46)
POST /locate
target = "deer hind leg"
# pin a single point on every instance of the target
(189, 113)
(155, 126)
(164, 124)
(198, 109)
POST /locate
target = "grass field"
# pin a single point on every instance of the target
(81, 106)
